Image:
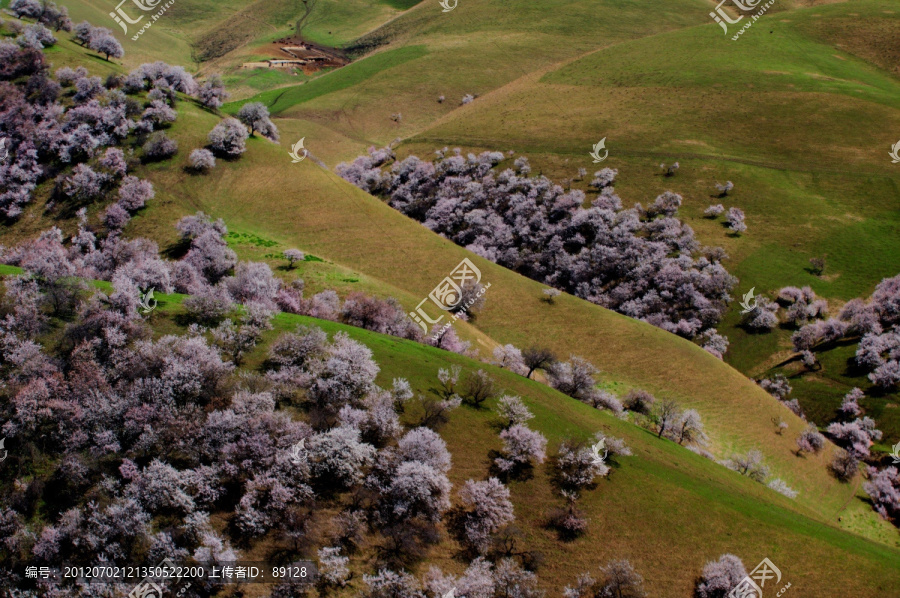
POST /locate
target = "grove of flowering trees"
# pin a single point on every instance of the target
(74, 126)
(643, 262)
(874, 324)
(46, 13)
(146, 437)
(149, 436)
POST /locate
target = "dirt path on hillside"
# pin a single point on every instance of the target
(851, 497)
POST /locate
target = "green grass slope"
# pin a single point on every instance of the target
(264, 196)
(162, 41)
(702, 509)
(474, 49)
(304, 206)
(799, 113)
(662, 488)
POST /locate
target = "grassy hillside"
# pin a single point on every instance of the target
(301, 205)
(662, 488)
(798, 115)
(703, 509)
(166, 42)
(217, 37)
(304, 206)
(800, 125)
(476, 48)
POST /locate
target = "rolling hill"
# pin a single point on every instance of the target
(799, 113)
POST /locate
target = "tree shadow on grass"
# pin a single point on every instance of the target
(518, 473)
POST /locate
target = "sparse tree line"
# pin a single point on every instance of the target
(854, 434)
(577, 379)
(643, 262)
(874, 324)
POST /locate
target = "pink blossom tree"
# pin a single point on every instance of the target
(513, 411)
(228, 138)
(485, 509)
(201, 160)
(292, 256)
(212, 92)
(810, 441)
(256, 116)
(719, 577)
(521, 447)
(134, 193)
(106, 44)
